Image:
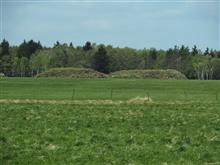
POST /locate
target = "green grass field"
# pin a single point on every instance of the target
(153, 134)
(180, 126)
(122, 89)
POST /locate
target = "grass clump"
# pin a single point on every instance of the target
(150, 74)
(72, 72)
(140, 100)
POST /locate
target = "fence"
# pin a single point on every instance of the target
(112, 94)
(125, 94)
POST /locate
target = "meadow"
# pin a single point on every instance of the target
(108, 88)
(179, 126)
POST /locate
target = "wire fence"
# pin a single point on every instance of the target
(113, 94)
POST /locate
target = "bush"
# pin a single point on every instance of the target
(72, 72)
(149, 74)
(2, 75)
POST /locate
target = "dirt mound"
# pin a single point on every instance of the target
(150, 74)
(72, 72)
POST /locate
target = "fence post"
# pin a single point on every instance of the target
(111, 92)
(218, 92)
(148, 96)
(73, 94)
(216, 96)
(185, 95)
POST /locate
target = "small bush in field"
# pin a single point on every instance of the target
(2, 75)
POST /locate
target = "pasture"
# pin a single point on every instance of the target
(109, 88)
(180, 126)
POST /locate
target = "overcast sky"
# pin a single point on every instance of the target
(134, 24)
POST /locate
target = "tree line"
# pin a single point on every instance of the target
(30, 58)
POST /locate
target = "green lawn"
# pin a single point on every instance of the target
(122, 89)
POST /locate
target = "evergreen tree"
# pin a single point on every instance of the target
(26, 49)
(151, 58)
(71, 44)
(212, 53)
(194, 50)
(4, 48)
(5, 58)
(184, 51)
(57, 44)
(101, 60)
(206, 51)
(87, 46)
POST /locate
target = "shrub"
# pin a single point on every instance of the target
(2, 75)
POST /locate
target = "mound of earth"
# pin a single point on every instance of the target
(149, 74)
(72, 72)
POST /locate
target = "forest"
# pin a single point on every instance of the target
(31, 58)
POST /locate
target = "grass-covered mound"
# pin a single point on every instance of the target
(72, 72)
(149, 74)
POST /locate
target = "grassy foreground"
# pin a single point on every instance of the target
(41, 124)
(109, 88)
(110, 134)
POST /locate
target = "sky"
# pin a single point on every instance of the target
(133, 23)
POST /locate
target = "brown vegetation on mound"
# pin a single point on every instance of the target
(150, 74)
(72, 72)
(135, 74)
